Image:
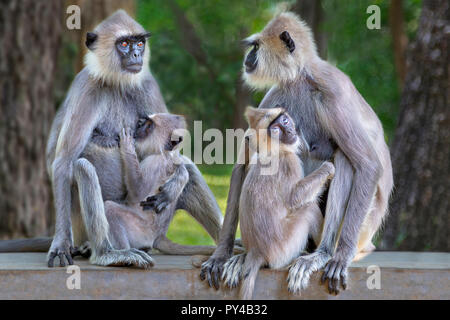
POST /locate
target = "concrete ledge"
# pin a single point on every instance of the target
(404, 275)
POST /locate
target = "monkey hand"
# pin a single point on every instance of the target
(329, 168)
(126, 140)
(62, 249)
(212, 270)
(336, 272)
(301, 269)
(157, 202)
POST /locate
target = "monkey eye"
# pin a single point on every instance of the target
(124, 44)
(256, 45)
(140, 44)
(285, 120)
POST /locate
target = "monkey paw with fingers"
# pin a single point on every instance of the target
(84, 250)
(127, 258)
(157, 202)
(61, 249)
(336, 272)
(302, 268)
(232, 270)
(212, 270)
(126, 139)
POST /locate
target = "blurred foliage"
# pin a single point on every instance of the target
(186, 84)
(185, 229)
(365, 55)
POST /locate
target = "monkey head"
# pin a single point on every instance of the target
(159, 133)
(279, 52)
(268, 124)
(118, 53)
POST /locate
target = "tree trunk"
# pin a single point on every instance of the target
(311, 12)
(399, 39)
(420, 208)
(30, 39)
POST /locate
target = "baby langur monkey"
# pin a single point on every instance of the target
(132, 224)
(275, 226)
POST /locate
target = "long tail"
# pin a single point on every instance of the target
(26, 245)
(166, 246)
(250, 270)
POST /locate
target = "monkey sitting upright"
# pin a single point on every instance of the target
(130, 227)
(275, 225)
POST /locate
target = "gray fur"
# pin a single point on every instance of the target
(102, 100)
(335, 120)
(275, 226)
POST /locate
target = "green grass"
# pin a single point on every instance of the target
(184, 229)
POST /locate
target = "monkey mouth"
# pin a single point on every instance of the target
(134, 68)
(250, 68)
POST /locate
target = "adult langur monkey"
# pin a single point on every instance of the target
(338, 124)
(112, 92)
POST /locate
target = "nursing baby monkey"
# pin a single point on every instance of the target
(132, 224)
(279, 211)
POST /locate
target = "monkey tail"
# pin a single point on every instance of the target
(250, 269)
(166, 246)
(26, 245)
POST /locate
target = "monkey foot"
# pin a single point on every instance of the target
(212, 270)
(301, 269)
(84, 250)
(126, 258)
(61, 249)
(232, 270)
(336, 274)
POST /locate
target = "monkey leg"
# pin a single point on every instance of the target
(378, 210)
(357, 231)
(96, 223)
(338, 194)
(198, 200)
(212, 269)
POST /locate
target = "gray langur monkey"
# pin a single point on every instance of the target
(275, 225)
(113, 91)
(338, 125)
(147, 162)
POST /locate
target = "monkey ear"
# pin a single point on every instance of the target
(90, 39)
(286, 38)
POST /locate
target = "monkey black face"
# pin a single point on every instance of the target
(144, 128)
(251, 61)
(131, 52)
(283, 127)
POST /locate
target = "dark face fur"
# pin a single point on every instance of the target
(284, 128)
(129, 48)
(146, 128)
(131, 52)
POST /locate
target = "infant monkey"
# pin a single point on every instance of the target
(132, 224)
(277, 211)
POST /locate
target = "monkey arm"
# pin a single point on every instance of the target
(176, 183)
(308, 189)
(212, 268)
(169, 192)
(133, 176)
